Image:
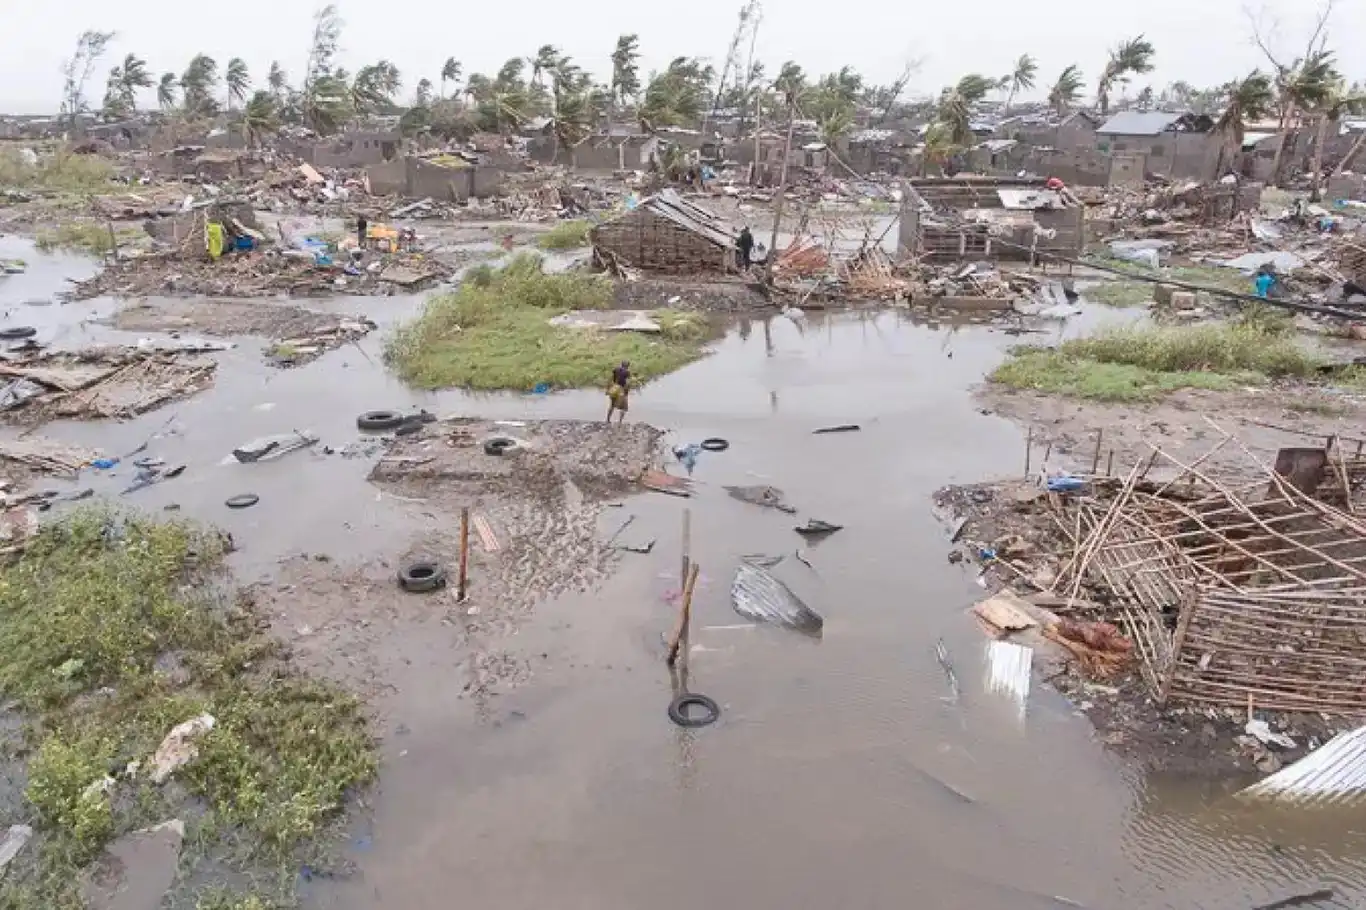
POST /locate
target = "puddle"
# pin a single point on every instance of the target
(838, 774)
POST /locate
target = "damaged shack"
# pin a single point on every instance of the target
(665, 233)
(1235, 594)
(989, 218)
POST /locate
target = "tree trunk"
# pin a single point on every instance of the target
(1280, 148)
(1316, 186)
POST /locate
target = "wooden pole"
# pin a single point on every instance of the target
(1095, 459)
(685, 614)
(113, 242)
(782, 193)
(464, 552)
(1029, 450)
(687, 544)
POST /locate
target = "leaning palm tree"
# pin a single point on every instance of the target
(546, 60)
(1133, 57)
(450, 72)
(1249, 98)
(423, 98)
(237, 80)
(1065, 92)
(260, 117)
(1304, 85)
(166, 90)
(277, 80)
(197, 85)
(1339, 101)
(1021, 77)
(133, 76)
(625, 68)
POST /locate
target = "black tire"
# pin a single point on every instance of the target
(715, 444)
(677, 715)
(499, 445)
(379, 420)
(408, 429)
(243, 501)
(418, 577)
(14, 333)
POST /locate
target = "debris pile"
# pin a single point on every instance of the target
(109, 382)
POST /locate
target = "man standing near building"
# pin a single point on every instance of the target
(744, 244)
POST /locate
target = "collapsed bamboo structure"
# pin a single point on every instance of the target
(1236, 592)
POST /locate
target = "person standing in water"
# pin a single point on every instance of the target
(619, 392)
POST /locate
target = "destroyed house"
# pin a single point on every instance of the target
(989, 218)
(1175, 145)
(666, 233)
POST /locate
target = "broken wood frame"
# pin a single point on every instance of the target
(1257, 591)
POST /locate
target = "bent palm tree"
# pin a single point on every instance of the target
(1133, 57)
(450, 72)
(238, 81)
(277, 81)
(166, 90)
(1065, 92)
(1250, 98)
(1021, 77)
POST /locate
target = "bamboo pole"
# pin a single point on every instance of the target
(464, 553)
(684, 615)
(782, 194)
(1029, 450)
(1095, 459)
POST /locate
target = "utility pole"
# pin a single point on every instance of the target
(782, 190)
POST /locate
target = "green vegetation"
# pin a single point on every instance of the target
(1143, 363)
(88, 236)
(60, 170)
(111, 634)
(567, 235)
(1121, 292)
(493, 332)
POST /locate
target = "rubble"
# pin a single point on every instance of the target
(101, 382)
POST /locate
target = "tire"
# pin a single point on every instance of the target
(715, 444)
(244, 501)
(677, 715)
(498, 445)
(379, 420)
(14, 333)
(418, 577)
(409, 428)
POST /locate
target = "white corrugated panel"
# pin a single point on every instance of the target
(1334, 774)
(1008, 669)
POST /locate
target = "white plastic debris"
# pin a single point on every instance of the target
(1266, 736)
(178, 749)
(1008, 669)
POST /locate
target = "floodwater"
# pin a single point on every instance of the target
(840, 774)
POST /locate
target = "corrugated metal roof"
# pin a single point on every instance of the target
(668, 204)
(1335, 774)
(1138, 123)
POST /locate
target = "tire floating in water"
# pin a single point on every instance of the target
(244, 501)
(419, 577)
(379, 420)
(678, 710)
(715, 444)
(16, 332)
(499, 445)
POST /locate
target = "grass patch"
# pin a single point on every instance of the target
(493, 333)
(1144, 363)
(110, 635)
(1121, 292)
(567, 235)
(88, 236)
(59, 170)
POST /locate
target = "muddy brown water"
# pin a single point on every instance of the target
(839, 774)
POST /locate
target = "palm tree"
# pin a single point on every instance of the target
(423, 98)
(1249, 98)
(374, 87)
(260, 116)
(277, 81)
(450, 72)
(547, 58)
(1132, 57)
(1305, 84)
(166, 90)
(625, 68)
(1339, 100)
(1021, 77)
(1065, 92)
(134, 76)
(791, 82)
(238, 80)
(113, 107)
(197, 85)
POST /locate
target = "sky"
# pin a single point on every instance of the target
(1203, 42)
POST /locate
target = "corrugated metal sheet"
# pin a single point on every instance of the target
(1138, 123)
(1335, 774)
(673, 207)
(1008, 669)
(1030, 200)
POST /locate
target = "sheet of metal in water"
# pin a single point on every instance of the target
(758, 595)
(1008, 669)
(1335, 774)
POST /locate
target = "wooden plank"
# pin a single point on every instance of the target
(1005, 611)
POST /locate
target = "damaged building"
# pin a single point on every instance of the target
(666, 234)
(988, 218)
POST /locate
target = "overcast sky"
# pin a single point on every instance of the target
(1204, 42)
